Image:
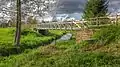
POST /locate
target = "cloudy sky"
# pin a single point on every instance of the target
(77, 6)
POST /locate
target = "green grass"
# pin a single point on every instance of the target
(29, 40)
(6, 36)
(58, 56)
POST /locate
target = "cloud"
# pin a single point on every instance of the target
(73, 6)
(114, 5)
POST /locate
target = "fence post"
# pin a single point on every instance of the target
(98, 20)
(116, 19)
(72, 25)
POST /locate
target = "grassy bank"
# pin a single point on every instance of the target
(29, 40)
(64, 54)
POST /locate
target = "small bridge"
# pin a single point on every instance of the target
(70, 25)
(85, 26)
(61, 26)
(78, 25)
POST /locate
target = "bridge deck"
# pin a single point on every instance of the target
(66, 26)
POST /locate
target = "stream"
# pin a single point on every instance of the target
(65, 37)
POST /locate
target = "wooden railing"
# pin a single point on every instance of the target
(78, 25)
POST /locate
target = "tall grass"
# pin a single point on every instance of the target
(108, 35)
(59, 56)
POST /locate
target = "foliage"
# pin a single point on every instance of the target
(108, 35)
(95, 8)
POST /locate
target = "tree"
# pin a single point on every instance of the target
(39, 8)
(36, 8)
(7, 10)
(18, 24)
(95, 8)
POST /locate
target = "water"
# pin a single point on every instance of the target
(65, 37)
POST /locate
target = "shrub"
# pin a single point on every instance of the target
(108, 35)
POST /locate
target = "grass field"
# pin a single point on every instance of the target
(104, 52)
